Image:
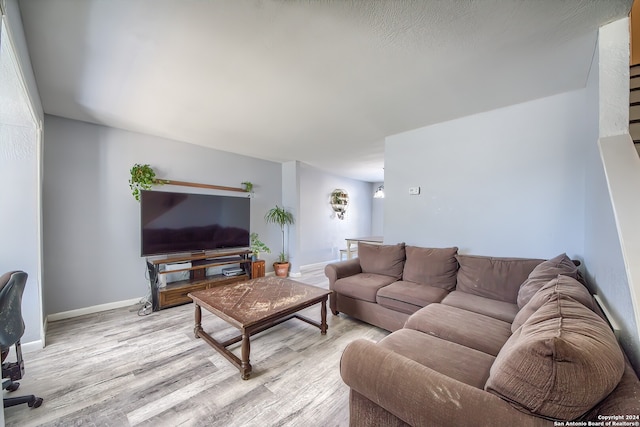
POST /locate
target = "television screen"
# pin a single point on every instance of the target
(183, 222)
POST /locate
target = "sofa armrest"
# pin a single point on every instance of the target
(421, 396)
(338, 270)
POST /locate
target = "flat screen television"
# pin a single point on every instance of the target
(184, 222)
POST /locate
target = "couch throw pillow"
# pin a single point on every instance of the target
(544, 272)
(493, 277)
(564, 285)
(560, 363)
(431, 266)
(382, 259)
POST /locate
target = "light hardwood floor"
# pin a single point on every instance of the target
(116, 368)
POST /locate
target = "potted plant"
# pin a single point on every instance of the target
(257, 246)
(142, 178)
(248, 186)
(282, 217)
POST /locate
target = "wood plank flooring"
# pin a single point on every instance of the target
(116, 368)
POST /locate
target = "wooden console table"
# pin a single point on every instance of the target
(176, 293)
(258, 268)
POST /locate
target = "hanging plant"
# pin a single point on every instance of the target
(142, 178)
(339, 201)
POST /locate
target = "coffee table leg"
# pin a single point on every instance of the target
(198, 315)
(323, 316)
(245, 366)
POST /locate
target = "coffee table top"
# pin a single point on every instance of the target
(245, 303)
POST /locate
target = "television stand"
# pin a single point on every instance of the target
(175, 293)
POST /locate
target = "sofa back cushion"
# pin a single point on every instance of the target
(382, 259)
(431, 266)
(544, 272)
(560, 285)
(560, 363)
(492, 277)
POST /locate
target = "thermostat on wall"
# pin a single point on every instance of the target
(413, 191)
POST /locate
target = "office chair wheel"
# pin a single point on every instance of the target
(35, 402)
(13, 386)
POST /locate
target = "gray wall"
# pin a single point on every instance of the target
(91, 221)
(377, 213)
(321, 233)
(20, 243)
(20, 174)
(526, 180)
(507, 182)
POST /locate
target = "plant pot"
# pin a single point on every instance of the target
(281, 269)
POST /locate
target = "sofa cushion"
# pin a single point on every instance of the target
(382, 259)
(623, 400)
(363, 286)
(463, 327)
(560, 363)
(408, 297)
(560, 285)
(544, 272)
(471, 367)
(489, 307)
(431, 266)
(491, 277)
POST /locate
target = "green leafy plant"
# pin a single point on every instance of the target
(142, 178)
(282, 217)
(257, 245)
(339, 198)
(248, 186)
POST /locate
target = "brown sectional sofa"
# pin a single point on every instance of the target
(477, 341)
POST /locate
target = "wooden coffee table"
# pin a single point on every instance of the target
(254, 306)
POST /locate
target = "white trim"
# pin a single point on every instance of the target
(317, 264)
(32, 346)
(27, 347)
(39, 180)
(607, 314)
(90, 310)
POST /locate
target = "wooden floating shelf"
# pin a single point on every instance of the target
(197, 185)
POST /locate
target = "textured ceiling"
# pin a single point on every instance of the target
(322, 82)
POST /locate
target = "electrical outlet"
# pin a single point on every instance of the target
(414, 191)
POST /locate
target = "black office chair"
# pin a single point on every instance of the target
(11, 329)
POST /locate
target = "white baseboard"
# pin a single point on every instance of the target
(90, 310)
(27, 347)
(32, 346)
(317, 264)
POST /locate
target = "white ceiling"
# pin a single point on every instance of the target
(320, 81)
